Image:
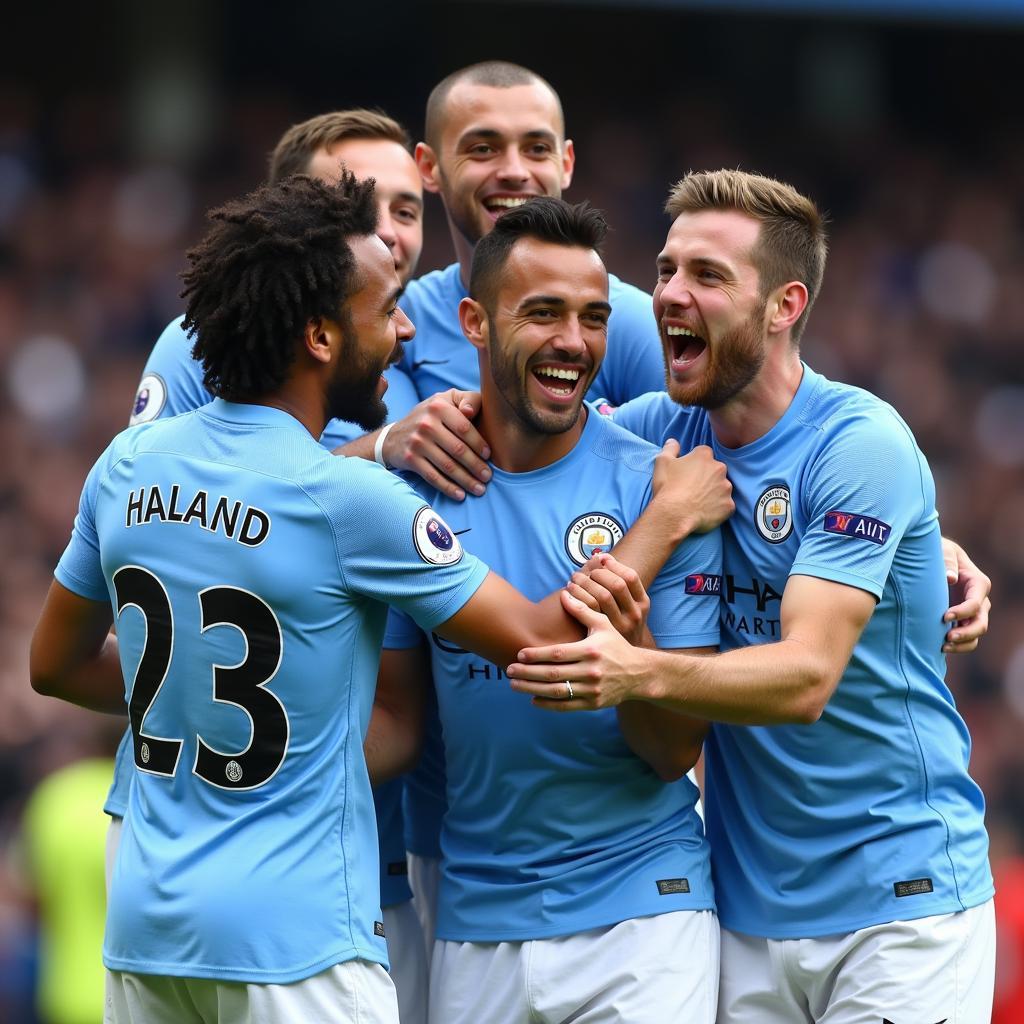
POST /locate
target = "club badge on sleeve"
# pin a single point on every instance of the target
(435, 541)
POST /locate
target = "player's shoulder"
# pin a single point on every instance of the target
(614, 443)
(431, 287)
(656, 417)
(631, 306)
(842, 412)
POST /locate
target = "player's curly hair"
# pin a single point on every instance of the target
(270, 263)
(544, 218)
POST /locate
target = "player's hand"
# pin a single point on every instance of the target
(693, 487)
(604, 669)
(969, 587)
(607, 586)
(437, 441)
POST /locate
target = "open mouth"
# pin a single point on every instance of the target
(685, 347)
(560, 382)
(498, 205)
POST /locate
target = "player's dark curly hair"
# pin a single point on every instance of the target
(546, 219)
(270, 263)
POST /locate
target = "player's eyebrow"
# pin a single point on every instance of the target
(409, 197)
(492, 134)
(560, 303)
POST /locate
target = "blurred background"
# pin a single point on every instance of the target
(121, 123)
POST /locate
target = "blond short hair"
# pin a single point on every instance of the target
(792, 244)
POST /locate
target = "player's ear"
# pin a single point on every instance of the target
(568, 163)
(473, 318)
(317, 338)
(785, 306)
(426, 162)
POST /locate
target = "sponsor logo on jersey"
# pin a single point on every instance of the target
(673, 886)
(703, 583)
(851, 524)
(774, 514)
(591, 534)
(435, 541)
(149, 399)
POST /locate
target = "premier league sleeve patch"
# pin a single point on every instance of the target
(149, 399)
(850, 524)
(435, 542)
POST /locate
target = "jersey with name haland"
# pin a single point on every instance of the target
(554, 826)
(440, 357)
(241, 558)
(868, 815)
(172, 383)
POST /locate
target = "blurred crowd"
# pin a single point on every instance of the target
(923, 304)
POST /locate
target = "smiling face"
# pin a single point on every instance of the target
(546, 333)
(399, 192)
(709, 307)
(497, 148)
(371, 333)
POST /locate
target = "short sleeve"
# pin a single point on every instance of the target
(172, 381)
(401, 632)
(866, 489)
(79, 568)
(686, 594)
(396, 549)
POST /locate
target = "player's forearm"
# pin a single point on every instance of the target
(359, 447)
(670, 742)
(392, 746)
(650, 541)
(770, 684)
(94, 682)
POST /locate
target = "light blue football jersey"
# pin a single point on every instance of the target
(440, 357)
(554, 826)
(172, 383)
(869, 815)
(248, 570)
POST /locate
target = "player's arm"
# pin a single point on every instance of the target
(669, 741)
(73, 656)
(395, 733)
(970, 588)
(437, 441)
(766, 684)
(691, 494)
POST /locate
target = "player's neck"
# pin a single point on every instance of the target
(463, 253)
(517, 448)
(761, 404)
(294, 401)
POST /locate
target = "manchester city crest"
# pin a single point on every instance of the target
(774, 514)
(587, 535)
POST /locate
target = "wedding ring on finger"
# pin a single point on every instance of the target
(568, 690)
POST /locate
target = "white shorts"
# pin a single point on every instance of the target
(648, 970)
(408, 961)
(930, 970)
(355, 992)
(424, 879)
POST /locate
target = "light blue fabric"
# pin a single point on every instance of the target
(815, 828)
(249, 851)
(554, 826)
